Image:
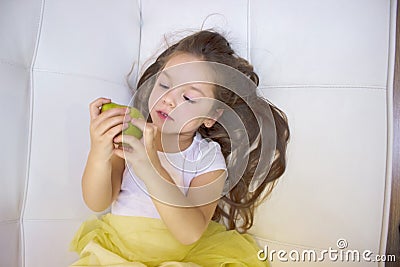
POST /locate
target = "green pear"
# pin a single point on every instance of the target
(134, 113)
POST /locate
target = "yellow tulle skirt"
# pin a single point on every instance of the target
(117, 240)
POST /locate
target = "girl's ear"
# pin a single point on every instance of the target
(211, 121)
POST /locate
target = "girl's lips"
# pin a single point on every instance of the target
(163, 115)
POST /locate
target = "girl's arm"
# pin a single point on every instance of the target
(101, 180)
(187, 217)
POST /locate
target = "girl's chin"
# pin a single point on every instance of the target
(172, 131)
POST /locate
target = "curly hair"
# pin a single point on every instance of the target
(236, 208)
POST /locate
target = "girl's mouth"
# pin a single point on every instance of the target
(163, 115)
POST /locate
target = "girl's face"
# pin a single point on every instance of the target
(178, 104)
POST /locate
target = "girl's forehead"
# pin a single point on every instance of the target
(187, 68)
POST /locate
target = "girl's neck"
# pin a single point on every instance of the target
(173, 143)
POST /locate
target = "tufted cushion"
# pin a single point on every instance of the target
(326, 64)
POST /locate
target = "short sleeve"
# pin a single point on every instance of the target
(210, 157)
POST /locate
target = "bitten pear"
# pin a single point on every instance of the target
(134, 113)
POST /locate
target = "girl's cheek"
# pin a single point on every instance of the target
(152, 100)
(155, 97)
(188, 118)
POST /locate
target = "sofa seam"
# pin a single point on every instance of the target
(13, 64)
(327, 86)
(61, 219)
(248, 32)
(140, 39)
(30, 132)
(385, 222)
(87, 76)
(10, 221)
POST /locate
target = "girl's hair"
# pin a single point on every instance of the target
(236, 208)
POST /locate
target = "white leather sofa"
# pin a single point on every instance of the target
(327, 64)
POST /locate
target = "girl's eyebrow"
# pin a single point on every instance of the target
(197, 89)
(165, 74)
(191, 87)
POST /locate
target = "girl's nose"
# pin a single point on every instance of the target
(168, 98)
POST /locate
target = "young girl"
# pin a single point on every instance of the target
(171, 192)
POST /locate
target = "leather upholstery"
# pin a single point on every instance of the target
(327, 64)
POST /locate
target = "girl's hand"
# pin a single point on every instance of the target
(104, 126)
(141, 154)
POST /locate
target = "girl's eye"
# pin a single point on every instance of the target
(188, 99)
(164, 86)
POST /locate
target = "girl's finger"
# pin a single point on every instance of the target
(114, 131)
(140, 123)
(119, 152)
(132, 141)
(149, 135)
(103, 121)
(104, 124)
(94, 107)
(125, 154)
(124, 150)
(149, 131)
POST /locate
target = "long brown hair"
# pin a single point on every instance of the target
(236, 208)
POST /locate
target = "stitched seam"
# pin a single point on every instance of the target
(140, 40)
(11, 221)
(248, 31)
(389, 123)
(86, 76)
(13, 64)
(59, 220)
(30, 127)
(327, 86)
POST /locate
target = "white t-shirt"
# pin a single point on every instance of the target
(200, 157)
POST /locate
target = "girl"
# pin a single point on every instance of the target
(165, 189)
